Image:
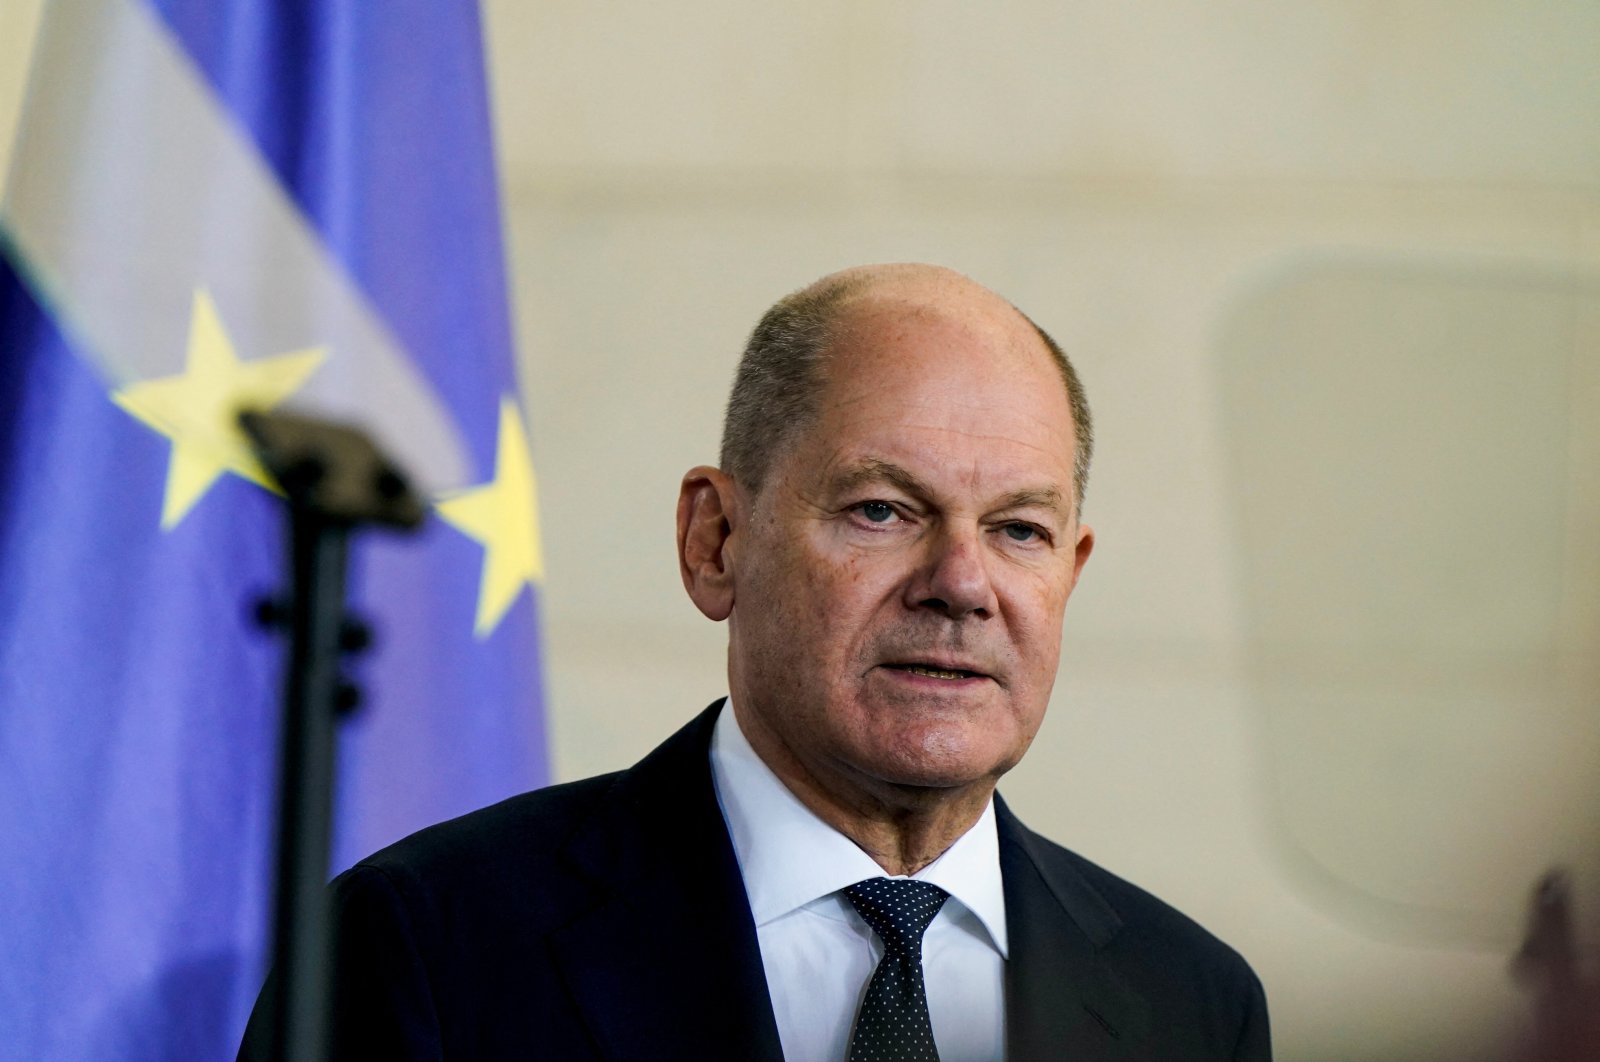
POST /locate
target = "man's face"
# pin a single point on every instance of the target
(901, 577)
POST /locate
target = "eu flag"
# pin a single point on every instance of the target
(215, 203)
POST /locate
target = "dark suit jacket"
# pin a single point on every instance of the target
(606, 919)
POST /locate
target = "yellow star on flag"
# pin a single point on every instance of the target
(197, 408)
(503, 515)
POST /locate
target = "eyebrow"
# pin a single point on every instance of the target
(875, 470)
(1044, 497)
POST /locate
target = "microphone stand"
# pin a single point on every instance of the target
(334, 480)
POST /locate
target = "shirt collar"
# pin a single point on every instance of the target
(790, 857)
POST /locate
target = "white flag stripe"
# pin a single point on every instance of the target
(129, 192)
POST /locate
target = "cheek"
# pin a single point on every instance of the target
(1036, 633)
(854, 585)
(846, 584)
(809, 602)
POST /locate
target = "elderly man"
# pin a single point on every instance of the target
(817, 867)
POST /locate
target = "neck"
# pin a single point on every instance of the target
(902, 827)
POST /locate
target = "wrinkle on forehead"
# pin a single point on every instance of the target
(980, 404)
(926, 364)
(919, 444)
(976, 404)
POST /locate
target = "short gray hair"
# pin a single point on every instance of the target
(780, 377)
(781, 374)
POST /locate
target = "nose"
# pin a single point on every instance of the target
(954, 579)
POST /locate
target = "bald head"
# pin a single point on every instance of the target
(777, 389)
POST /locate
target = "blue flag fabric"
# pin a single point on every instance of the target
(138, 703)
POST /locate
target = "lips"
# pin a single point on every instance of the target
(936, 670)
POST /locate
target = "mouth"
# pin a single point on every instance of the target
(936, 671)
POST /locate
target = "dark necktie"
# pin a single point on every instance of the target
(893, 1024)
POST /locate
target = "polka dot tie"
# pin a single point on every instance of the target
(893, 1024)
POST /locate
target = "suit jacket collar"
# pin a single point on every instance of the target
(1064, 998)
(666, 963)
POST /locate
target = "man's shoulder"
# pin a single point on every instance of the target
(1147, 972)
(1135, 905)
(1122, 917)
(544, 848)
(508, 841)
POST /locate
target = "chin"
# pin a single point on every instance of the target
(941, 763)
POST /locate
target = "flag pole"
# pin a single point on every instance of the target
(334, 480)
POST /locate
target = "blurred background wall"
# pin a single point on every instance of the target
(1330, 272)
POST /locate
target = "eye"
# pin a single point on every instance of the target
(1021, 532)
(876, 512)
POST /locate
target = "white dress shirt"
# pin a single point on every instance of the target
(818, 952)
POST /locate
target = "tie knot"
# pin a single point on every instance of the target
(898, 910)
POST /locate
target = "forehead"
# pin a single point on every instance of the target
(962, 384)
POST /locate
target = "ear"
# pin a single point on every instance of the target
(1081, 551)
(707, 519)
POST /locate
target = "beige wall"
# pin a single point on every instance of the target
(1329, 271)
(1329, 681)
(19, 21)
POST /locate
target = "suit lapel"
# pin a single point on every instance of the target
(1063, 1000)
(666, 965)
